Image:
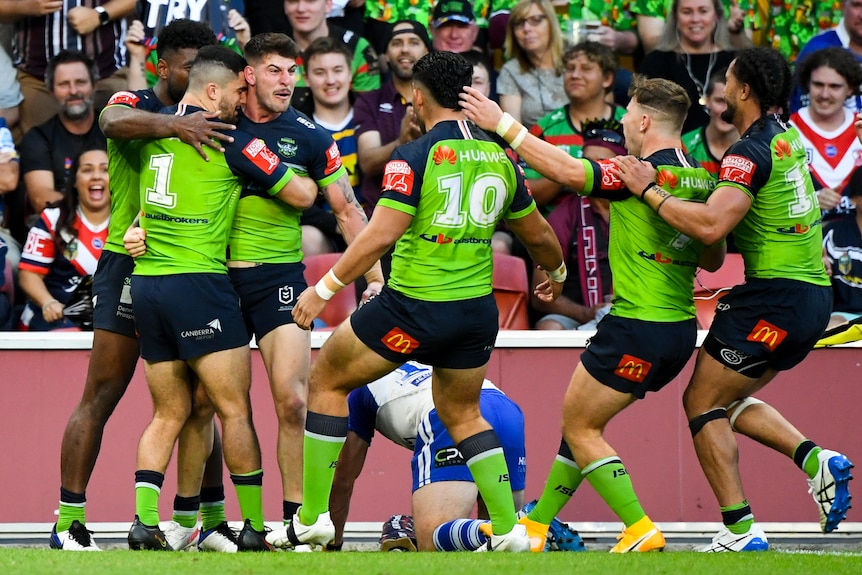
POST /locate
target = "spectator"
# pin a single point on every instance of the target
(829, 77)
(708, 144)
(588, 76)
(481, 71)
(842, 255)
(695, 42)
(8, 168)
(49, 150)
(650, 15)
(847, 34)
(530, 84)
(787, 27)
(308, 20)
(10, 90)
(46, 28)
(454, 27)
(65, 244)
(328, 77)
(581, 225)
(385, 116)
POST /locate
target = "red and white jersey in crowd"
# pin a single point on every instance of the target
(63, 271)
(832, 155)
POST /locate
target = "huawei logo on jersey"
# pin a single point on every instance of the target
(782, 149)
(667, 179)
(444, 154)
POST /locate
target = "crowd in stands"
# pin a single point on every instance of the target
(561, 68)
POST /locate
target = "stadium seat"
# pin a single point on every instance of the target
(512, 291)
(709, 287)
(342, 303)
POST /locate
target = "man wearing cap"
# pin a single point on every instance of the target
(385, 116)
(453, 26)
(588, 76)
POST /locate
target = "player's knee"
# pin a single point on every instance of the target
(737, 407)
(697, 423)
(291, 411)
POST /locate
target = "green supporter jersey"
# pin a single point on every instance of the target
(781, 235)
(695, 144)
(188, 203)
(457, 184)
(266, 229)
(652, 264)
(420, 10)
(556, 128)
(124, 159)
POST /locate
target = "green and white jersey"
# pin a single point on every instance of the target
(188, 203)
(457, 184)
(266, 229)
(652, 264)
(781, 235)
(124, 160)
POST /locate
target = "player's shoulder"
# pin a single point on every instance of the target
(139, 99)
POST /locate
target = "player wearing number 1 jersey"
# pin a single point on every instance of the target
(769, 323)
(187, 312)
(443, 195)
(649, 334)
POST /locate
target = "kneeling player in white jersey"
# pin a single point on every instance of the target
(400, 406)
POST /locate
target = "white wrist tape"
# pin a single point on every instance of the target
(506, 121)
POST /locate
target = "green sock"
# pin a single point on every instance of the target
(486, 461)
(185, 518)
(70, 512)
(324, 437)
(147, 504)
(612, 482)
(249, 494)
(812, 465)
(212, 515)
(563, 480)
(737, 518)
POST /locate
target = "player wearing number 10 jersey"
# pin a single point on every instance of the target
(443, 195)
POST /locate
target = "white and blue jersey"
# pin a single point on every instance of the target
(399, 406)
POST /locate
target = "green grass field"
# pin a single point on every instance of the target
(45, 561)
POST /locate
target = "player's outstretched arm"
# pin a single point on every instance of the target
(351, 221)
(300, 192)
(541, 242)
(197, 130)
(547, 159)
(349, 466)
(382, 231)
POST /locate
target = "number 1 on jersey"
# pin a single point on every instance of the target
(159, 195)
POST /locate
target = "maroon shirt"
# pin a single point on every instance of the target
(378, 111)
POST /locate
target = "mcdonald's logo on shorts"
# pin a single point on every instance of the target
(397, 340)
(633, 368)
(769, 335)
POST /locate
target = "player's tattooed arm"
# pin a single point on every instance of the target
(348, 212)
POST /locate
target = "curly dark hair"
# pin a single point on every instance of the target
(444, 74)
(768, 75)
(839, 59)
(183, 33)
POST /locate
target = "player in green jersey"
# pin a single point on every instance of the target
(650, 332)
(128, 117)
(186, 310)
(768, 324)
(443, 195)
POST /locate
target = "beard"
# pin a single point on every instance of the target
(729, 113)
(78, 111)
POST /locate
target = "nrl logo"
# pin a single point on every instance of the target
(287, 147)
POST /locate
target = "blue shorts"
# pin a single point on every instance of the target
(435, 457)
(184, 316)
(635, 356)
(267, 294)
(768, 324)
(112, 294)
(453, 335)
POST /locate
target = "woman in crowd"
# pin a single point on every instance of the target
(530, 83)
(695, 43)
(65, 244)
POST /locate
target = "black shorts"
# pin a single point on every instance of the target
(635, 356)
(112, 294)
(184, 316)
(768, 324)
(267, 294)
(454, 334)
